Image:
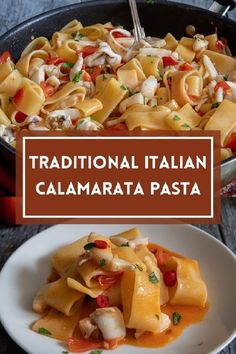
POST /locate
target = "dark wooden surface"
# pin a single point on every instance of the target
(13, 12)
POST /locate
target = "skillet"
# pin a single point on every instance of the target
(157, 19)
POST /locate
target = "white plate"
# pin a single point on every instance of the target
(27, 269)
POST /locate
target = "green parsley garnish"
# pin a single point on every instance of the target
(77, 76)
(104, 77)
(139, 267)
(125, 244)
(44, 331)
(89, 246)
(176, 318)
(123, 87)
(65, 352)
(102, 263)
(67, 65)
(176, 117)
(153, 278)
(157, 316)
(96, 352)
(215, 105)
(185, 125)
(78, 36)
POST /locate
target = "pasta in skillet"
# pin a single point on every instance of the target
(103, 292)
(94, 77)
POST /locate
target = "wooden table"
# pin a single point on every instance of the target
(12, 13)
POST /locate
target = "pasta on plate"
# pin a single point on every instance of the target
(103, 292)
(96, 77)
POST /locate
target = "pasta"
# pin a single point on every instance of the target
(96, 77)
(103, 292)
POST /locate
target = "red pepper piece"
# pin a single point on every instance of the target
(170, 278)
(222, 84)
(100, 244)
(102, 301)
(169, 61)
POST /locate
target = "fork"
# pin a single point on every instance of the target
(138, 30)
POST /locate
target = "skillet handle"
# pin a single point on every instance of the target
(222, 7)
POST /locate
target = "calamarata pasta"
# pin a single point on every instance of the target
(103, 292)
(97, 77)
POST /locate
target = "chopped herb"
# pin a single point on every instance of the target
(123, 87)
(102, 263)
(176, 318)
(96, 352)
(67, 65)
(139, 267)
(215, 105)
(65, 352)
(155, 105)
(144, 100)
(77, 76)
(104, 77)
(129, 92)
(185, 125)
(153, 278)
(157, 316)
(44, 331)
(125, 244)
(225, 78)
(176, 117)
(78, 36)
(89, 246)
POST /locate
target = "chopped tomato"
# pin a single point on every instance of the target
(169, 61)
(86, 76)
(185, 67)
(5, 57)
(87, 50)
(219, 45)
(82, 345)
(20, 117)
(117, 34)
(106, 281)
(54, 61)
(162, 257)
(222, 84)
(96, 72)
(120, 126)
(47, 89)
(18, 97)
(232, 143)
(102, 301)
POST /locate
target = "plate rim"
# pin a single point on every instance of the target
(11, 332)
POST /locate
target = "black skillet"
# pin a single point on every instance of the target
(157, 19)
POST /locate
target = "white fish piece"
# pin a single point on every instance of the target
(53, 81)
(88, 124)
(40, 74)
(219, 94)
(110, 321)
(165, 322)
(149, 87)
(118, 241)
(112, 57)
(209, 67)
(117, 265)
(87, 327)
(126, 42)
(134, 99)
(77, 67)
(138, 241)
(155, 52)
(71, 113)
(200, 44)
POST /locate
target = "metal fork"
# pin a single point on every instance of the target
(138, 30)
